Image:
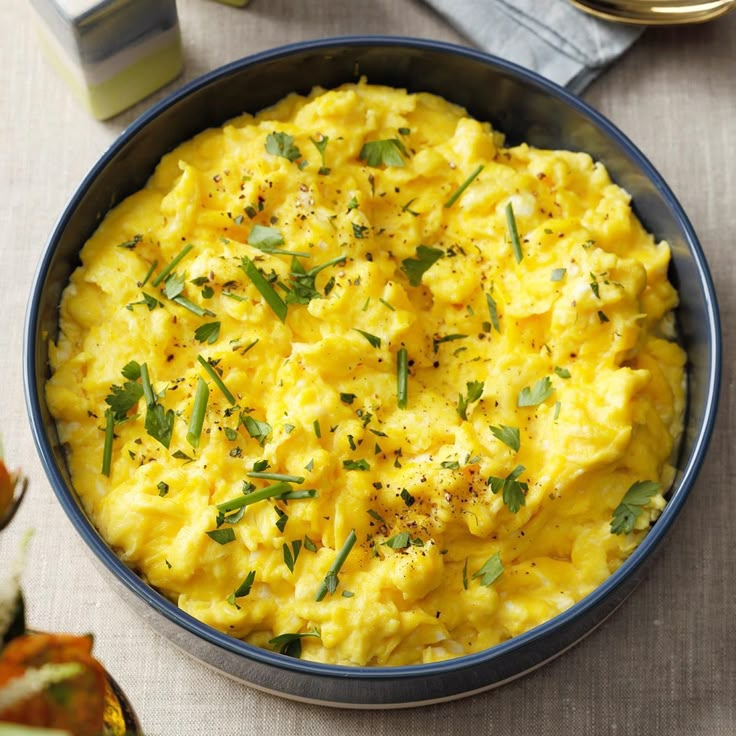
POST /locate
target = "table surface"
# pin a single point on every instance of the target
(665, 663)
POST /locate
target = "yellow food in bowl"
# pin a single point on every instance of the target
(353, 380)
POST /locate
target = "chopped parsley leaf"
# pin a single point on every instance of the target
(372, 339)
(474, 392)
(534, 396)
(321, 144)
(291, 644)
(222, 536)
(508, 435)
(131, 244)
(493, 311)
(361, 464)
(630, 508)
(383, 153)
(558, 274)
(209, 332)
(257, 430)
(491, 570)
(291, 555)
(398, 541)
(265, 237)
(513, 490)
(282, 144)
(425, 258)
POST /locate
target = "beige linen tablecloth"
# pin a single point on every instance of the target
(665, 663)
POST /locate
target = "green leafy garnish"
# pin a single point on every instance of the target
(222, 536)
(132, 370)
(282, 144)
(459, 191)
(398, 541)
(159, 423)
(534, 396)
(331, 581)
(508, 435)
(493, 311)
(122, 399)
(513, 490)
(372, 339)
(275, 476)
(594, 285)
(438, 340)
(474, 392)
(291, 555)
(359, 231)
(291, 644)
(491, 570)
(209, 332)
(562, 372)
(321, 145)
(265, 238)
(199, 408)
(277, 490)
(215, 376)
(347, 398)
(257, 430)
(375, 515)
(385, 152)
(414, 268)
(150, 301)
(243, 589)
(402, 378)
(173, 286)
(406, 497)
(630, 508)
(513, 232)
(302, 282)
(109, 437)
(131, 244)
(407, 207)
(558, 274)
(163, 488)
(602, 317)
(172, 264)
(283, 518)
(361, 464)
(309, 545)
(271, 298)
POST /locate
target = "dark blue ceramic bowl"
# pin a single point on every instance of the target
(517, 102)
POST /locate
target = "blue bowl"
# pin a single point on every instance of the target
(527, 108)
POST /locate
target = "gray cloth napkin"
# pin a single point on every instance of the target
(550, 37)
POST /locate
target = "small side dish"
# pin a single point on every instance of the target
(352, 380)
(49, 683)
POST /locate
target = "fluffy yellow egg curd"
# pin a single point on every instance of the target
(351, 380)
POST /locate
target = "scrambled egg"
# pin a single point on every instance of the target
(452, 360)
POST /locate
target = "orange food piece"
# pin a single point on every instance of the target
(6, 489)
(76, 704)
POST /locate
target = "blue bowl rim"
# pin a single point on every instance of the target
(165, 607)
